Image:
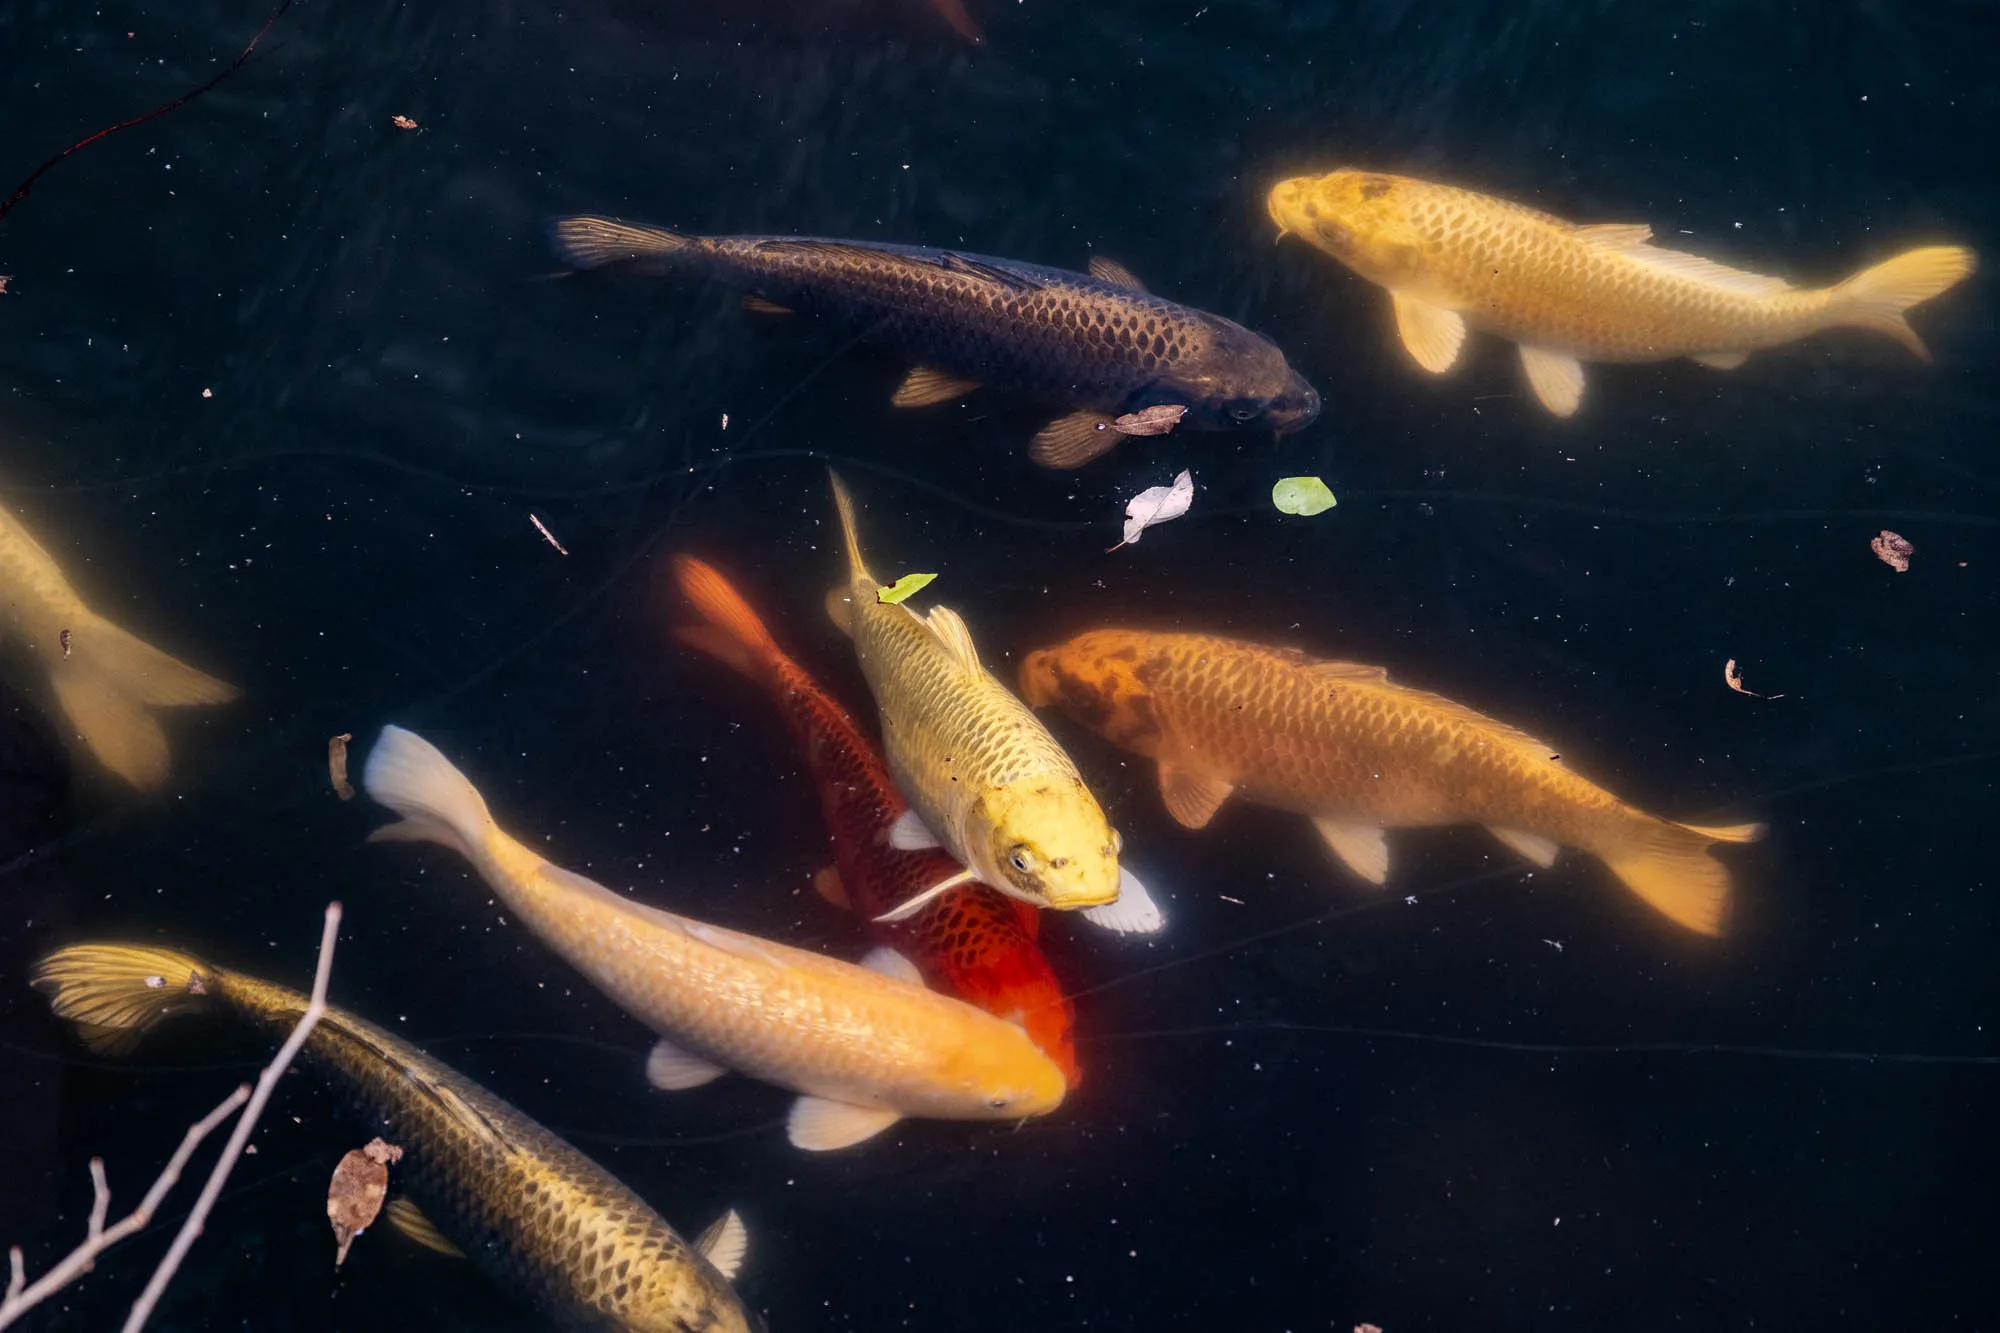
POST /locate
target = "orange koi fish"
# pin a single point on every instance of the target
(973, 942)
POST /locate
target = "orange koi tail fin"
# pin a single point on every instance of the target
(733, 633)
(1669, 866)
(1875, 298)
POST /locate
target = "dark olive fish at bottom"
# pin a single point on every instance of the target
(1098, 344)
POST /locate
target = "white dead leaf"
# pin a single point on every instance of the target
(1157, 504)
(1734, 680)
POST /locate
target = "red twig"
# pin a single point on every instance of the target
(176, 104)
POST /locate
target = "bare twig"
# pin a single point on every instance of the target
(142, 1309)
(101, 1238)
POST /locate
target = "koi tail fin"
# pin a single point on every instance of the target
(840, 602)
(1669, 866)
(1875, 298)
(589, 242)
(115, 993)
(437, 802)
(733, 633)
(107, 685)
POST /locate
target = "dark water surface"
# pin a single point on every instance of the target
(1522, 1101)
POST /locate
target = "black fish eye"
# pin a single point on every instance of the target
(1020, 861)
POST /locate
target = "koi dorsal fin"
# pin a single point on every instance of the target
(956, 638)
(1616, 235)
(1359, 672)
(1115, 273)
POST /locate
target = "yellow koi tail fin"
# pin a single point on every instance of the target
(115, 993)
(839, 602)
(1875, 298)
(733, 632)
(587, 242)
(1669, 866)
(107, 684)
(437, 802)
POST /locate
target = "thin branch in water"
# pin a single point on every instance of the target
(179, 102)
(101, 1238)
(142, 1309)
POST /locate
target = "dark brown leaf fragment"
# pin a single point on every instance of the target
(354, 1196)
(336, 765)
(1893, 550)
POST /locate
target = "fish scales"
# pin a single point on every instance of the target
(973, 942)
(1341, 743)
(535, 1213)
(988, 780)
(819, 1026)
(1040, 330)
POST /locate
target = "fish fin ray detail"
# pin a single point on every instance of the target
(1134, 912)
(593, 242)
(724, 1244)
(1431, 334)
(1073, 440)
(1615, 235)
(764, 306)
(1876, 297)
(950, 631)
(924, 386)
(1109, 270)
(1693, 268)
(1720, 360)
(818, 1124)
(406, 1218)
(671, 1069)
(1192, 798)
(1536, 848)
(1556, 378)
(1362, 848)
(909, 833)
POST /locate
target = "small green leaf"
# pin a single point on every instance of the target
(1304, 496)
(903, 588)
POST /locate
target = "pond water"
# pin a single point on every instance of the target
(293, 391)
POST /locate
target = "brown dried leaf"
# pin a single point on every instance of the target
(402, 122)
(1151, 420)
(1367, 1328)
(354, 1196)
(1734, 680)
(1893, 550)
(336, 765)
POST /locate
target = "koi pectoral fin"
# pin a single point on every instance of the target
(1556, 378)
(1431, 334)
(1362, 848)
(725, 1243)
(1133, 912)
(671, 1069)
(1191, 798)
(1072, 441)
(1720, 360)
(923, 386)
(819, 1125)
(910, 834)
(1542, 851)
(917, 904)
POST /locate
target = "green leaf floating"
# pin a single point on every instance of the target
(1304, 496)
(907, 586)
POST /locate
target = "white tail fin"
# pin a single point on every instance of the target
(1875, 298)
(438, 804)
(107, 685)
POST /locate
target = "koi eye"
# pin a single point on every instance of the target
(1243, 412)
(1019, 860)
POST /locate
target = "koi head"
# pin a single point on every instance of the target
(1044, 840)
(1359, 217)
(1240, 381)
(1004, 1080)
(1103, 679)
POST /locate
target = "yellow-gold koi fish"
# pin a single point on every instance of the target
(865, 1046)
(1567, 294)
(1339, 742)
(983, 776)
(536, 1214)
(106, 680)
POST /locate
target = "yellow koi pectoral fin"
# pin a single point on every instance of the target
(1431, 334)
(1720, 360)
(1542, 851)
(1875, 298)
(758, 305)
(1191, 798)
(407, 1218)
(1556, 378)
(725, 1243)
(923, 386)
(819, 1125)
(1670, 867)
(1072, 441)
(1362, 848)
(671, 1069)
(917, 904)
